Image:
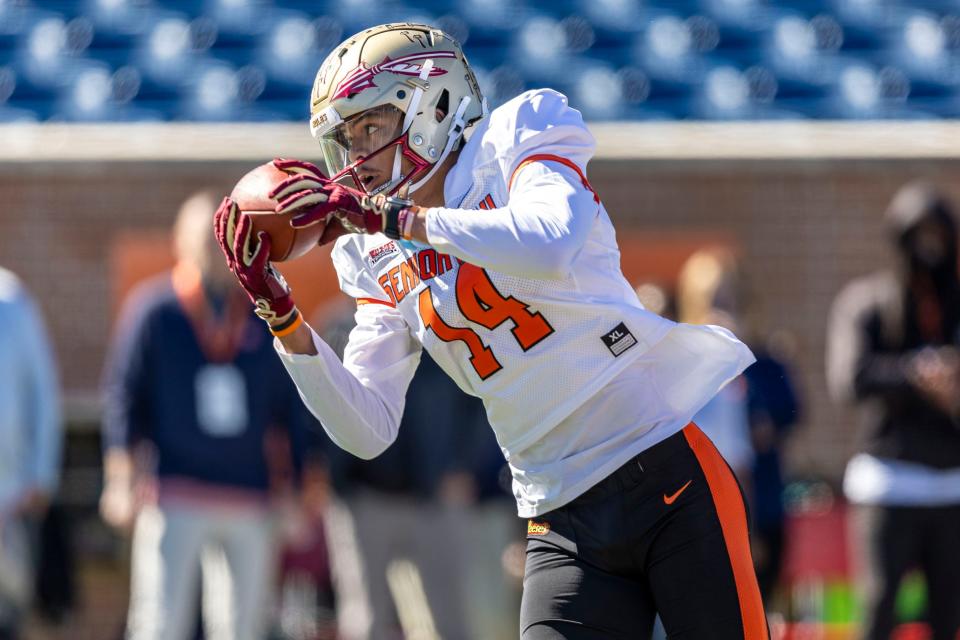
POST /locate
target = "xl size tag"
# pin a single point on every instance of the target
(619, 339)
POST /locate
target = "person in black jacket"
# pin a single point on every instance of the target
(893, 347)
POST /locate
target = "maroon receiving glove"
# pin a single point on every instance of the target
(312, 198)
(248, 259)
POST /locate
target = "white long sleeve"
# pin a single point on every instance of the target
(538, 234)
(359, 402)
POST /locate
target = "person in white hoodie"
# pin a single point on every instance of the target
(504, 266)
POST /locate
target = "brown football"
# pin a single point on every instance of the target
(250, 194)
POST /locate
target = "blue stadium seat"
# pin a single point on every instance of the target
(117, 25)
(648, 111)
(868, 24)
(864, 92)
(97, 95)
(238, 19)
(927, 53)
(741, 25)
(596, 90)
(666, 52)
(16, 106)
(500, 83)
(288, 50)
(806, 65)
(212, 93)
(539, 50)
(730, 93)
(10, 114)
(615, 20)
(656, 59)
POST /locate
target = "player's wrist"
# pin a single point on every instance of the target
(405, 223)
(396, 217)
(418, 225)
(286, 324)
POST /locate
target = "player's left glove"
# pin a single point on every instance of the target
(248, 259)
(311, 198)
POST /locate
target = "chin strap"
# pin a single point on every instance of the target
(418, 87)
(423, 81)
(397, 168)
(453, 135)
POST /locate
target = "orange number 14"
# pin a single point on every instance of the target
(480, 302)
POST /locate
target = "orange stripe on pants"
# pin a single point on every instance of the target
(733, 521)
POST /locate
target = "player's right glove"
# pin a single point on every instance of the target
(311, 198)
(247, 258)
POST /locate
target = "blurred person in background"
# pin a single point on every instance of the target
(196, 401)
(31, 439)
(655, 298)
(412, 507)
(774, 410)
(751, 418)
(306, 601)
(307, 608)
(707, 293)
(892, 348)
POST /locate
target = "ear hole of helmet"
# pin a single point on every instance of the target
(443, 105)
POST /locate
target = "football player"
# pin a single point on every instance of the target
(479, 237)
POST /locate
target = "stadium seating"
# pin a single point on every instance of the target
(236, 60)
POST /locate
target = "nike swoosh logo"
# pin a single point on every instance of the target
(671, 499)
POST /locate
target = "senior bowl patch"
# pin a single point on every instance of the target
(537, 528)
(381, 252)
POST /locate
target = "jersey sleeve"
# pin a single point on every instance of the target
(359, 402)
(539, 123)
(541, 148)
(355, 279)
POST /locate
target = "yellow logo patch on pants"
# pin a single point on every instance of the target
(537, 528)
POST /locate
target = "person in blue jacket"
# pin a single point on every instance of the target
(194, 385)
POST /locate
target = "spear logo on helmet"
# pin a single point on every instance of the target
(362, 78)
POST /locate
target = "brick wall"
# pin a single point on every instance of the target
(803, 228)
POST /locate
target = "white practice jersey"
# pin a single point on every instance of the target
(519, 298)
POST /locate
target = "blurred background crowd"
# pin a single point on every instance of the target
(158, 474)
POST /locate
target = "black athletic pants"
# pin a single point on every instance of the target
(666, 533)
